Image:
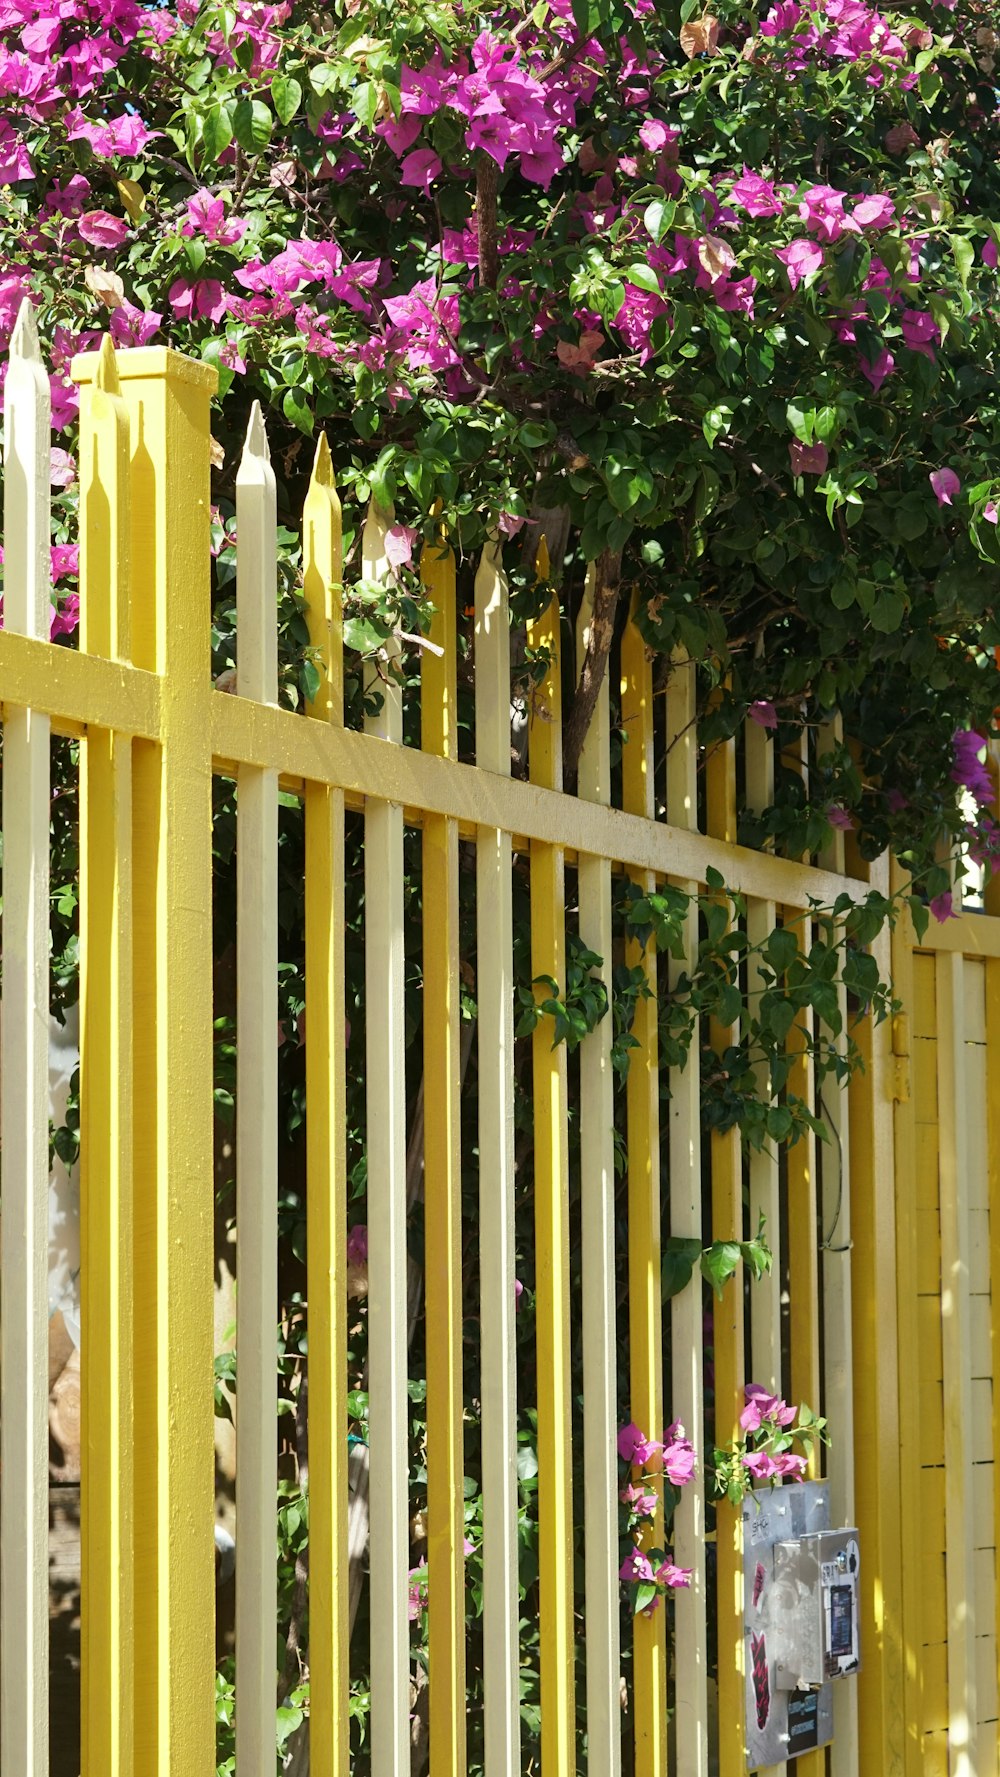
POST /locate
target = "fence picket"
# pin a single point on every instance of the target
(387, 1315)
(765, 1297)
(686, 1314)
(838, 1346)
(443, 1193)
(495, 986)
(649, 1638)
(256, 1120)
(24, 1086)
(326, 1159)
(727, 1324)
(953, 1113)
(106, 1183)
(551, 1185)
(597, 1190)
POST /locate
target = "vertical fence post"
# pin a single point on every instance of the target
(167, 397)
(256, 1122)
(106, 1108)
(551, 1188)
(876, 1387)
(686, 1310)
(598, 1285)
(24, 1086)
(495, 989)
(326, 1152)
(443, 1192)
(645, 1289)
(386, 1136)
(728, 1341)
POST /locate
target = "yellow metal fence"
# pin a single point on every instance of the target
(892, 1325)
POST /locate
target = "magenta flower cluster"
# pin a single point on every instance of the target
(651, 1570)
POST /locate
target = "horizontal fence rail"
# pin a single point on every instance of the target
(852, 1318)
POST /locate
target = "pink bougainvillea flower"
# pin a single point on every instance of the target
(876, 370)
(206, 216)
(763, 713)
(15, 161)
(655, 135)
(968, 768)
(874, 212)
(667, 1574)
(399, 545)
(945, 484)
(417, 1591)
(634, 1446)
(839, 817)
(920, 332)
(991, 512)
(518, 1292)
(66, 620)
(636, 1568)
(99, 229)
(122, 137)
(65, 559)
(715, 256)
(131, 326)
(990, 254)
(788, 1463)
(761, 1405)
(640, 1503)
(191, 298)
(420, 168)
(400, 132)
(678, 1456)
(755, 195)
(808, 459)
(760, 1465)
(896, 801)
(509, 523)
(357, 1245)
(62, 468)
(943, 907)
(822, 210)
(801, 259)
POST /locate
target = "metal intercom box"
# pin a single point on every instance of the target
(815, 1582)
(801, 1619)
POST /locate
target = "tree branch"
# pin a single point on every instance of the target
(595, 661)
(487, 174)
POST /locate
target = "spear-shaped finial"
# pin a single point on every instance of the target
(24, 339)
(256, 439)
(106, 376)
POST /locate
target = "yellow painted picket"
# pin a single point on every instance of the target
(881, 1308)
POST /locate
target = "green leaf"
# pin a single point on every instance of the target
(781, 949)
(643, 277)
(217, 132)
(286, 96)
(677, 1264)
(252, 124)
(365, 103)
(964, 254)
(644, 1596)
(658, 217)
(718, 1262)
(294, 408)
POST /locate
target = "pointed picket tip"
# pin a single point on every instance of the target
(106, 375)
(256, 440)
(24, 339)
(322, 469)
(542, 563)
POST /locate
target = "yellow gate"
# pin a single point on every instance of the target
(890, 1323)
